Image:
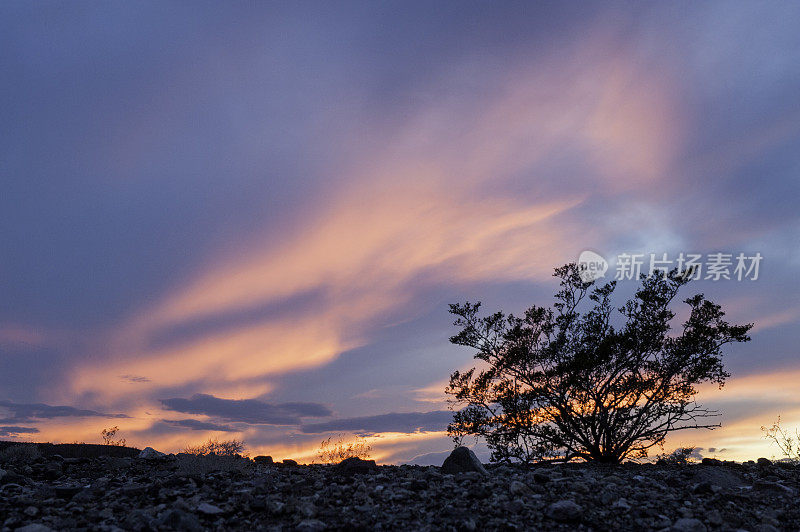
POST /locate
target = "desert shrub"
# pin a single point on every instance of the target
(216, 447)
(566, 383)
(333, 452)
(680, 456)
(789, 444)
(20, 454)
(109, 435)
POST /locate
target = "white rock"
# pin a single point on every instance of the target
(209, 509)
(149, 453)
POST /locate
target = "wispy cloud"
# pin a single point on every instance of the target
(27, 412)
(12, 431)
(195, 424)
(408, 422)
(247, 410)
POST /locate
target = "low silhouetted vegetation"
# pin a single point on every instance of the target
(109, 436)
(333, 452)
(789, 444)
(566, 383)
(678, 457)
(217, 447)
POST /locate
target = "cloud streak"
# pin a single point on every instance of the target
(409, 422)
(250, 411)
(27, 412)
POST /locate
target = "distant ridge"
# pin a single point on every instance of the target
(76, 450)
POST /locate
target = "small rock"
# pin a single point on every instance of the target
(263, 460)
(564, 511)
(138, 520)
(711, 461)
(289, 462)
(306, 509)
(34, 527)
(311, 525)
(764, 462)
(773, 487)
(176, 519)
(67, 491)
(151, 454)
(621, 504)
(688, 525)
(541, 478)
(463, 460)
(718, 476)
(714, 518)
(518, 488)
(209, 509)
(31, 511)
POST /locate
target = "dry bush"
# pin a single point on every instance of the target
(21, 454)
(216, 447)
(788, 443)
(680, 456)
(333, 452)
(109, 435)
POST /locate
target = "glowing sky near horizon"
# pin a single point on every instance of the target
(247, 220)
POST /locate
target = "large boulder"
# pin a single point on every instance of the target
(565, 511)
(718, 476)
(355, 465)
(463, 460)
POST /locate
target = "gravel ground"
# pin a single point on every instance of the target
(184, 492)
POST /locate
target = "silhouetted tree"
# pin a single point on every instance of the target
(561, 384)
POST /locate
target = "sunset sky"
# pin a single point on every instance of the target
(246, 220)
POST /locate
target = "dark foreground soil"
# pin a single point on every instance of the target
(39, 492)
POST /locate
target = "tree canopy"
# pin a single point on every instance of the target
(566, 383)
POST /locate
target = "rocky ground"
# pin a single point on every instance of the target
(184, 492)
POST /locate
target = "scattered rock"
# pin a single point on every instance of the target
(209, 509)
(764, 462)
(718, 476)
(518, 488)
(289, 462)
(311, 525)
(34, 527)
(773, 487)
(176, 519)
(688, 525)
(67, 491)
(212, 493)
(565, 511)
(463, 460)
(263, 460)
